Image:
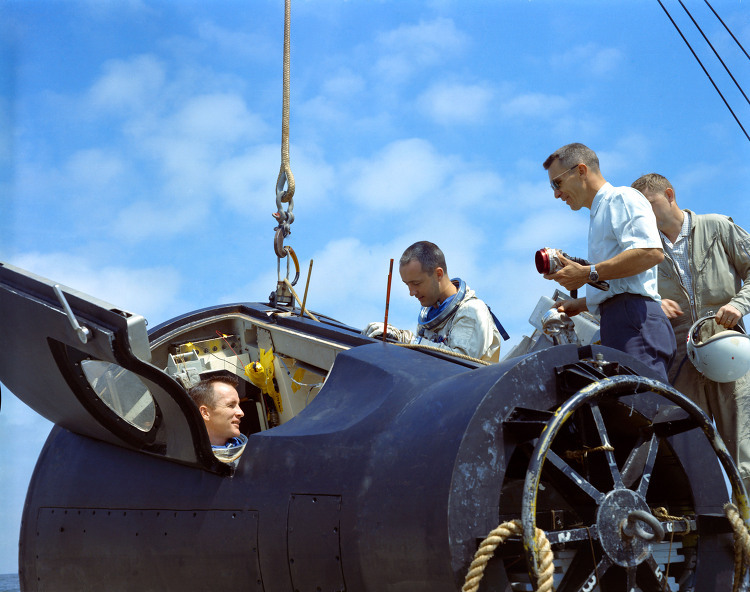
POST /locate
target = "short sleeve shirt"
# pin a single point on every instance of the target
(621, 219)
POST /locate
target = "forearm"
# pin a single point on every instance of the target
(629, 263)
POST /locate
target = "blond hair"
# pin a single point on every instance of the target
(652, 182)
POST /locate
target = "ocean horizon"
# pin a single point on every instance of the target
(9, 583)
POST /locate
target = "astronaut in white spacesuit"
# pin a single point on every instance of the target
(452, 317)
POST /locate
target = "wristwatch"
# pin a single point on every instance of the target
(593, 275)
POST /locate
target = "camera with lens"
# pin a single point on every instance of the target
(548, 261)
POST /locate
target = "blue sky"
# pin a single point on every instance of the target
(140, 145)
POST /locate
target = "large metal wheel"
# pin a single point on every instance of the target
(597, 473)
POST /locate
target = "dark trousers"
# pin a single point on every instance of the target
(637, 325)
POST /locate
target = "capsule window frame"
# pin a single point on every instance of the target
(70, 362)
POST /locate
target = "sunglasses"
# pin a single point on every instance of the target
(554, 183)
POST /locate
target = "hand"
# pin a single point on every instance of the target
(671, 308)
(572, 307)
(728, 316)
(572, 276)
(375, 330)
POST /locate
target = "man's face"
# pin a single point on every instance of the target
(223, 421)
(570, 188)
(659, 204)
(423, 286)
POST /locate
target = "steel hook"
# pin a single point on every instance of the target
(631, 526)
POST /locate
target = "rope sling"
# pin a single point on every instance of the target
(546, 571)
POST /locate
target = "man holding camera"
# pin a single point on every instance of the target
(624, 249)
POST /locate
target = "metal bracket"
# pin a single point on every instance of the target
(83, 332)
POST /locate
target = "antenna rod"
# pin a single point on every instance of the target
(387, 301)
(307, 285)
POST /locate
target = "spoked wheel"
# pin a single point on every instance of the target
(599, 473)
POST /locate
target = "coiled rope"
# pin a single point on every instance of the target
(546, 572)
(741, 542)
(580, 455)
(497, 537)
(662, 514)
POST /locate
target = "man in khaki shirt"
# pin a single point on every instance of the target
(706, 269)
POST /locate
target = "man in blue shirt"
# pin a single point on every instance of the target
(624, 249)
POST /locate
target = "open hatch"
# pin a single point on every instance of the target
(93, 368)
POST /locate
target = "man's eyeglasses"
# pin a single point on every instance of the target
(554, 183)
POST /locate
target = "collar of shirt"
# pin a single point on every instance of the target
(684, 231)
(597, 201)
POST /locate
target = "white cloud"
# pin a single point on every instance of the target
(191, 143)
(216, 119)
(410, 47)
(323, 110)
(145, 291)
(144, 220)
(456, 103)
(629, 152)
(350, 281)
(94, 169)
(606, 60)
(250, 179)
(236, 43)
(403, 173)
(426, 42)
(474, 187)
(128, 84)
(554, 226)
(344, 84)
(590, 58)
(534, 105)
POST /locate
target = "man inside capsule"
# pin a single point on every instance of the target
(219, 405)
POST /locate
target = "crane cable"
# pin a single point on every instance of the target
(703, 68)
(284, 218)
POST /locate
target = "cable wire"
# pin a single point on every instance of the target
(716, 53)
(703, 68)
(727, 28)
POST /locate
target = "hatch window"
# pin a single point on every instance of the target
(122, 391)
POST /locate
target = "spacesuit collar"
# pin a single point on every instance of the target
(429, 319)
(232, 450)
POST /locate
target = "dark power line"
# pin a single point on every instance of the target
(727, 28)
(716, 53)
(703, 68)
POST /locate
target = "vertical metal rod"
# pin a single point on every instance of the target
(387, 301)
(307, 285)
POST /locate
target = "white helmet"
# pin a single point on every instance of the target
(721, 357)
